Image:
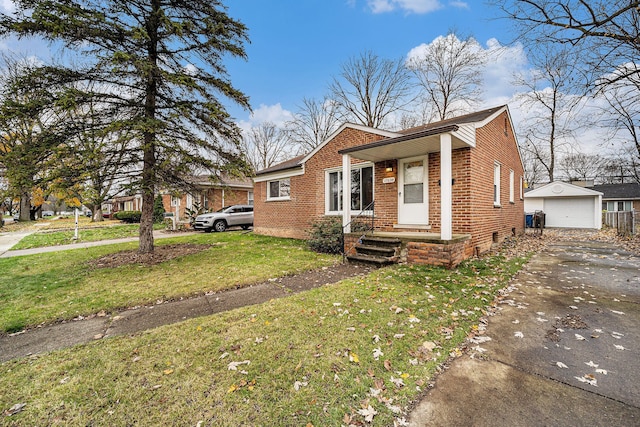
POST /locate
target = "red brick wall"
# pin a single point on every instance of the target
(495, 142)
(472, 169)
(444, 255)
(293, 218)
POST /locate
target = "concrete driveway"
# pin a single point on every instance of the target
(564, 348)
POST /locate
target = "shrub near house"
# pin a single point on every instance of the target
(129, 217)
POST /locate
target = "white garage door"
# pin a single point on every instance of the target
(570, 212)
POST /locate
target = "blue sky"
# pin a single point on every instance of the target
(298, 46)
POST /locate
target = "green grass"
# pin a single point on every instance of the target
(323, 339)
(60, 285)
(89, 233)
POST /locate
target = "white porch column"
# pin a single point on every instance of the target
(446, 199)
(346, 193)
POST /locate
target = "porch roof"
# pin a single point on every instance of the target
(411, 145)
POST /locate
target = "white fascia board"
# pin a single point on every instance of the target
(280, 175)
(344, 126)
(513, 129)
(561, 189)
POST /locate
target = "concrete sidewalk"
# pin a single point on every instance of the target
(8, 240)
(562, 350)
(102, 325)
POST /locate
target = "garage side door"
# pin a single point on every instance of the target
(570, 212)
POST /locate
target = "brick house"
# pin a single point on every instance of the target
(210, 195)
(441, 192)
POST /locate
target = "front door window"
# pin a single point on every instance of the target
(412, 191)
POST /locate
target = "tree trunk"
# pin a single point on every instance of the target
(97, 213)
(146, 222)
(25, 207)
(149, 135)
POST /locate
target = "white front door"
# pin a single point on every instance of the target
(412, 191)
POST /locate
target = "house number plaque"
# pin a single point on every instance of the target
(389, 180)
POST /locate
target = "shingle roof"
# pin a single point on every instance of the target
(466, 118)
(444, 125)
(618, 191)
(222, 180)
(289, 164)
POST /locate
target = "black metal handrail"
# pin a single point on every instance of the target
(368, 227)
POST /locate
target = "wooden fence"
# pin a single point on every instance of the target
(626, 222)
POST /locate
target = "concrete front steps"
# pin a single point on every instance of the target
(376, 250)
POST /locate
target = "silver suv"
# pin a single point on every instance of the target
(229, 216)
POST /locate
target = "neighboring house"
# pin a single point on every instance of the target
(566, 205)
(209, 195)
(445, 190)
(619, 197)
(121, 203)
(126, 203)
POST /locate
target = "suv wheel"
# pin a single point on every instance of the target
(220, 225)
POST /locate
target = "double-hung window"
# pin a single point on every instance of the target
(512, 184)
(361, 187)
(279, 189)
(496, 184)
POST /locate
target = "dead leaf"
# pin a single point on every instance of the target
(18, 407)
(387, 364)
(368, 413)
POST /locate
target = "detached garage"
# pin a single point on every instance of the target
(566, 205)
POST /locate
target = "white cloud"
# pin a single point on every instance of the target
(459, 4)
(414, 6)
(266, 113)
(7, 6)
(504, 62)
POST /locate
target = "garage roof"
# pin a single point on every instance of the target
(561, 189)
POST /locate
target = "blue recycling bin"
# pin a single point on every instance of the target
(528, 220)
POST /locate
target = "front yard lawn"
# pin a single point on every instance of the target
(356, 352)
(63, 285)
(46, 236)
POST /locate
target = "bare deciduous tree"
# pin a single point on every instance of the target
(581, 166)
(550, 119)
(449, 71)
(622, 117)
(534, 172)
(604, 32)
(370, 89)
(314, 122)
(266, 145)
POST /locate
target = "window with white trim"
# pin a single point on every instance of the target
(361, 189)
(521, 187)
(619, 206)
(279, 189)
(175, 201)
(496, 184)
(512, 183)
(250, 198)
